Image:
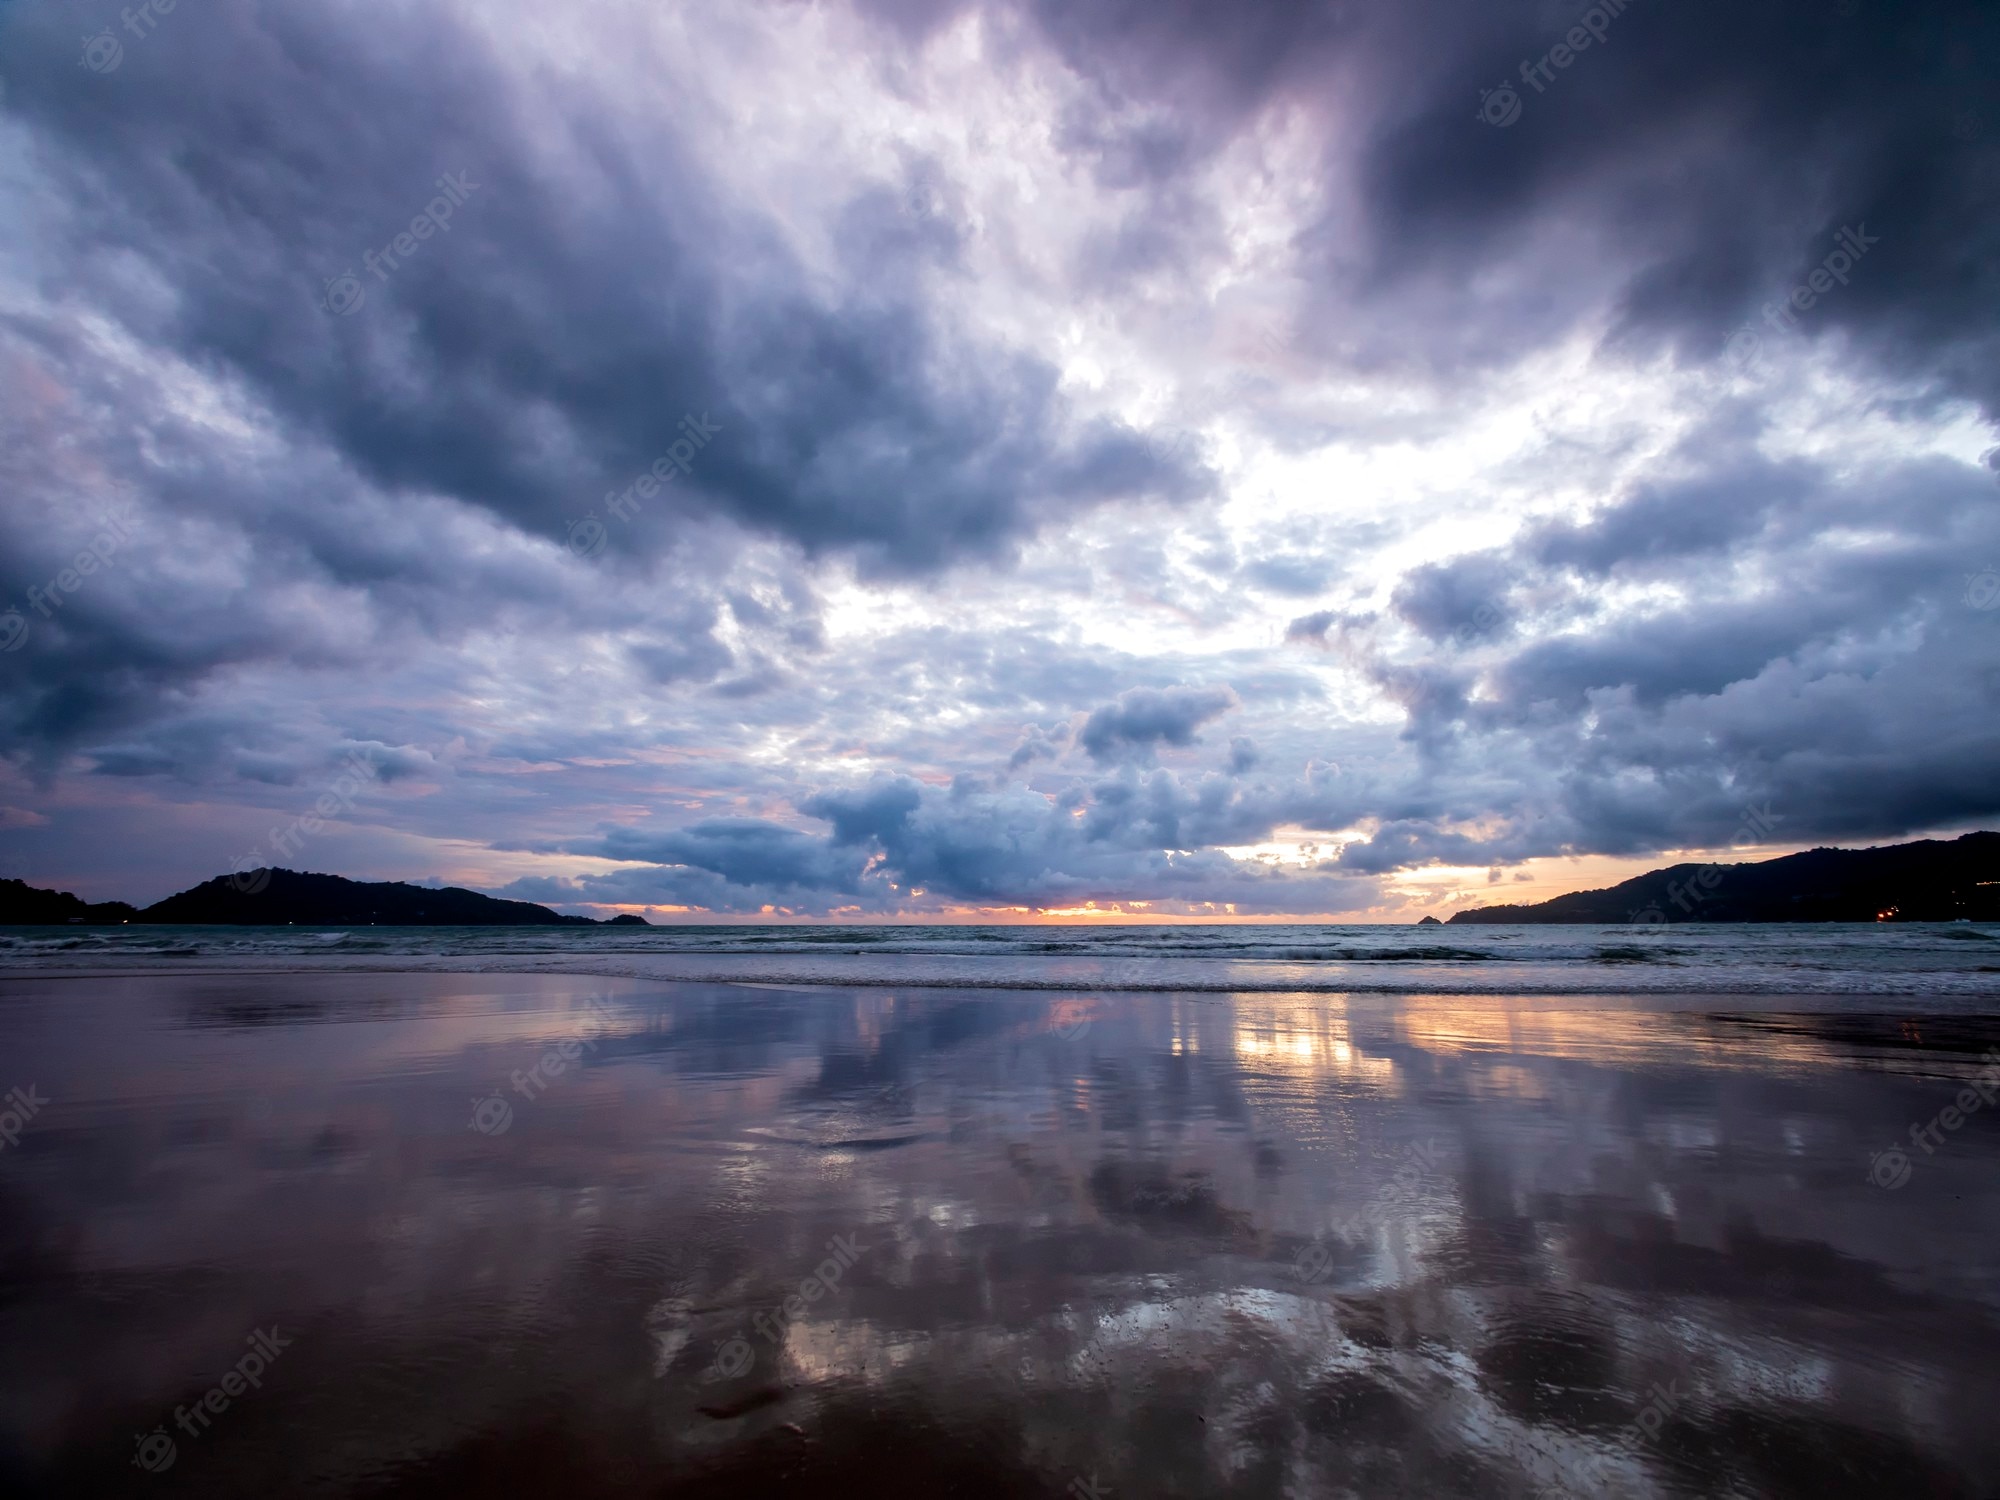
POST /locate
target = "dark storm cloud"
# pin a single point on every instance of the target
(592, 291)
(685, 886)
(1398, 843)
(894, 844)
(880, 813)
(1038, 744)
(1733, 497)
(1687, 168)
(1832, 666)
(263, 554)
(1146, 718)
(1127, 837)
(1463, 598)
(744, 852)
(1708, 154)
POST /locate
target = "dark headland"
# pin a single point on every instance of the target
(1927, 881)
(278, 898)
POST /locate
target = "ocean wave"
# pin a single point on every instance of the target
(1626, 955)
(1276, 958)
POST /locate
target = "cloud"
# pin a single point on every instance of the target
(1039, 744)
(1312, 628)
(1051, 367)
(1806, 657)
(1144, 719)
(1464, 599)
(594, 289)
(748, 852)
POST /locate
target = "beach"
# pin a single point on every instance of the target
(605, 1235)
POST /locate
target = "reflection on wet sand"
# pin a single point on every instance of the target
(988, 1244)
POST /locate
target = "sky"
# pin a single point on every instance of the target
(994, 461)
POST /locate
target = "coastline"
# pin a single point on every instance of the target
(1900, 968)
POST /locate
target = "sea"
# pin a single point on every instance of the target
(1928, 962)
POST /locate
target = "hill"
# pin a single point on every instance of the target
(22, 904)
(273, 898)
(1927, 881)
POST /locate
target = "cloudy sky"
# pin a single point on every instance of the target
(1362, 457)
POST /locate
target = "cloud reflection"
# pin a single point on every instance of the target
(1075, 1254)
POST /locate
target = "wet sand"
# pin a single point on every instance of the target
(541, 1234)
